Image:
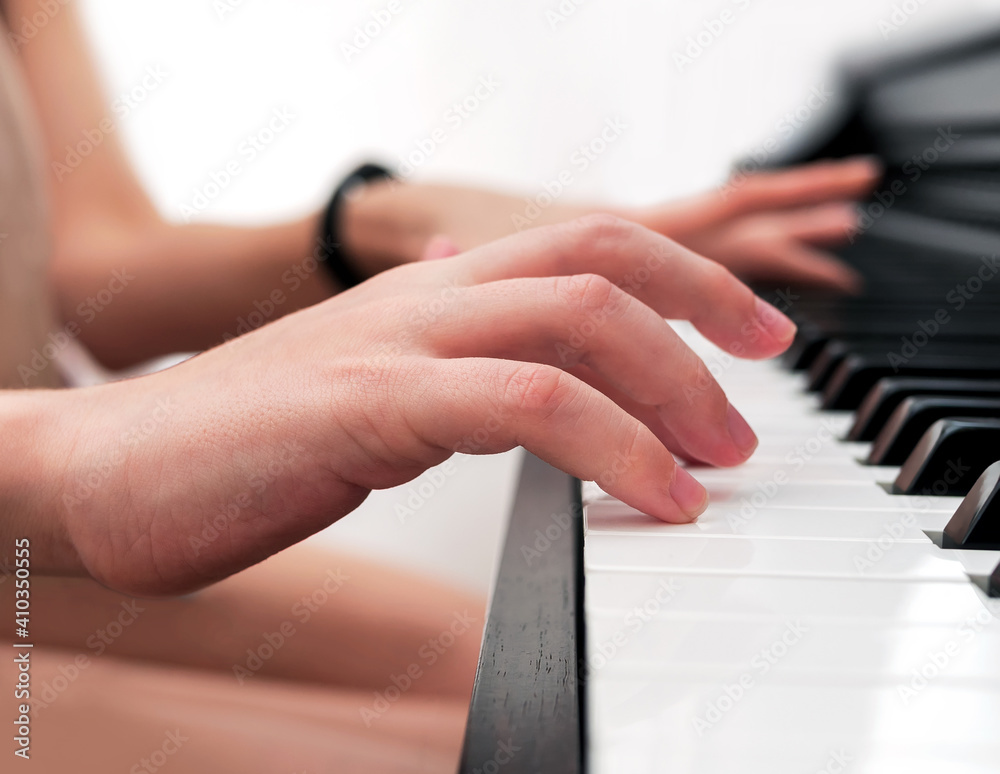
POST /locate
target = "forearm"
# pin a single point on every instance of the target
(34, 463)
(143, 290)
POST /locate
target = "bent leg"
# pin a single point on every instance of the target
(304, 615)
(111, 714)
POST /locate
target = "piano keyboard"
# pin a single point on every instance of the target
(809, 621)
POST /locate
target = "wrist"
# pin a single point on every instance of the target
(384, 224)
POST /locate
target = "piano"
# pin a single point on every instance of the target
(834, 609)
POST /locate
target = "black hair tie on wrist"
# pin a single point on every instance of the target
(330, 247)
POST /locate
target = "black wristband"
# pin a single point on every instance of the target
(330, 248)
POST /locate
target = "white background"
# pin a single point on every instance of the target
(229, 64)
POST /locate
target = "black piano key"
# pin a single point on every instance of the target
(950, 457)
(858, 374)
(976, 523)
(994, 583)
(914, 416)
(830, 355)
(835, 351)
(809, 340)
(888, 393)
(895, 325)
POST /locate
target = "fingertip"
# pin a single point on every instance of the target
(844, 279)
(742, 435)
(870, 163)
(774, 323)
(853, 284)
(690, 497)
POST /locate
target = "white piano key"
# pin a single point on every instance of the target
(813, 473)
(613, 516)
(783, 485)
(662, 595)
(809, 447)
(635, 647)
(708, 726)
(975, 562)
(767, 492)
(762, 556)
(781, 492)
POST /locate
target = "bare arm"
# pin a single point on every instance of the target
(191, 283)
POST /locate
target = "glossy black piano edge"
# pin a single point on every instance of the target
(528, 707)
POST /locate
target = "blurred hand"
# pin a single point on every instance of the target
(553, 339)
(773, 225)
(769, 226)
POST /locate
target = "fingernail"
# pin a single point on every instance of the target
(743, 436)
(689, 495)
(774, 322)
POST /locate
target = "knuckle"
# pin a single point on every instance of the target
(636, 443)
(588, 295)
(537, 390)
(718, 281)
(602, 226)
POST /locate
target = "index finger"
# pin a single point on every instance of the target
(674, 281)
(818, 183)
